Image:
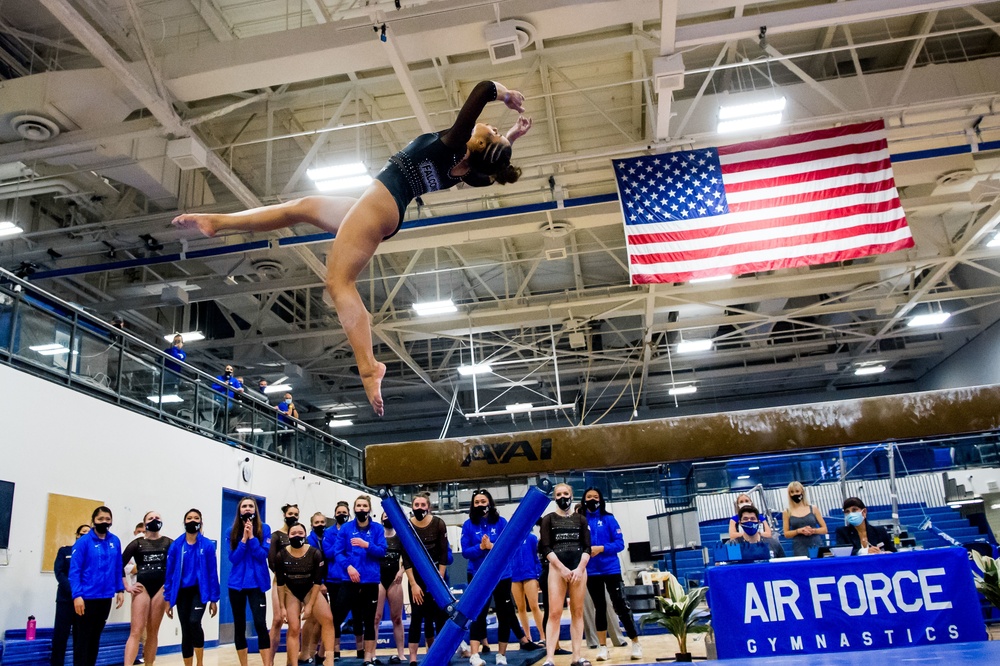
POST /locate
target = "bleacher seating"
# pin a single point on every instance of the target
(18, 650)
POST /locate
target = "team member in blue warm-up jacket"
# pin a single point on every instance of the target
(192, 582)
(360, 548)
(95, 577)
(249, 578)
(479, 533)
(334, 575)
(525, 569)
(604, 571)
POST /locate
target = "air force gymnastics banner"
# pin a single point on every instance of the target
(844, 604)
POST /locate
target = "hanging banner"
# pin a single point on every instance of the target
(844, 604)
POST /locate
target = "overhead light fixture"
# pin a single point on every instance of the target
(741, 477)
(689, 346)
(993, 241)
(870, 370)
(754, 115)
(190, 336)
(958, 503)
(683, 390)
(477, 369)
(518, 407)
(42, 348)
(166, 399)
(713, 278)
(8, 229)
(932, 319)
(340, 177)
(753, 467)
(434, 308)
(277, 388)
(247, 429)
(340, 423)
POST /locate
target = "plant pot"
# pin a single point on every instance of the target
(682, 656)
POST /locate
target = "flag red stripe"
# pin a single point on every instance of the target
(792, 262)
(808, 197)
(809, 176)
(767, 243)
(809, 156)
(805, 137)
(721, 230)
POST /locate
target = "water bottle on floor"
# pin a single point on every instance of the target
(29, 631)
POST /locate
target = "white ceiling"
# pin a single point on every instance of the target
(272, 87)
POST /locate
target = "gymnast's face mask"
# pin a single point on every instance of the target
(749, 528)
(420, 514)
(593, 505)
(563, 502)
(341, 518)
(296, 541)
(154, 525)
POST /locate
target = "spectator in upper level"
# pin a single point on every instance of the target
(262, 387)
(176, 350)
(287, 407)
(227, 386)
(750, 532)
(286, 435)
(865, 538)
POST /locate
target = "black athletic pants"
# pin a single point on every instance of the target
(427, 616)
(507, 621)
(87, 630)
(60, 631)
(362, 600)
(238, 600)
(543, 582)
(613, 583)
(190, 610)
(338, 611)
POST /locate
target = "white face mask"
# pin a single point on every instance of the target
(743, 504)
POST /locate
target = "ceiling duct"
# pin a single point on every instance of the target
(33, 127)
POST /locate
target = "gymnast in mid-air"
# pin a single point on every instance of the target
(468, 152)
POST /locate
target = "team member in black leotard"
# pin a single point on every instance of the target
(424, 611)
(299, 570)
(279, 539)
(469, 152)
(148, 605)
(391, 588)
(249, 579)
(565, 543)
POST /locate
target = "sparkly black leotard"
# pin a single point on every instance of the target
(425, 164)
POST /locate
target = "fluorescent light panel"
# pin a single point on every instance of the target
(190, 336)
(168, 398)
(340, 423)
(277, 388)
(870, 370)
(752, 109)
(713, 278)
(689, 346)
(434, 308)
(9, 229)
(932, 319)
(337, 171)
(741, 477)
(350, 183)
(683, 390)
(744, 124)
(477, 369)
(993, 241)
(41, 348)
(519, 407)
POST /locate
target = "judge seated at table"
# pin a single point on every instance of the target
(865, 538)
(750, 533)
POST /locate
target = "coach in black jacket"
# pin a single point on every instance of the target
(64, 602)
(864, 537)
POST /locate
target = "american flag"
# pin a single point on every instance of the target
(809, 198)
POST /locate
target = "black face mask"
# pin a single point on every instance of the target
(563, 503)
(296, 541)
(387, 524)
(361, 516)
(291, 520)
(796, 498)
(477, 513)
(593, 505)
(341, 518)
(319, 529)
(154, 525)
(102, 528)
(419, 514)
(227, 374)
(192, 527)
(247, 517)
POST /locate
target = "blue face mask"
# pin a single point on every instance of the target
(856, 518)
(750, 528)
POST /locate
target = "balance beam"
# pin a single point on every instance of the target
(773, 430)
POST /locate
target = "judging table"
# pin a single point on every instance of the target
(842, 604)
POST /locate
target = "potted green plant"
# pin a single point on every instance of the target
(988, 583)
(679, 612)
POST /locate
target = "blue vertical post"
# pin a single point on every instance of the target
(487, 577)
(414, 548)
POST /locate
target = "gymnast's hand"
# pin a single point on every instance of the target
(519, 129)
(416, 594)
(514, 101)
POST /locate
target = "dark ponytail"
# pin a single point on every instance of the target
(508, 173)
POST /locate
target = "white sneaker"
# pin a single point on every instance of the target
(476, 660)
(602, 653)
(464, 649)
(501, 660)
(636, 651)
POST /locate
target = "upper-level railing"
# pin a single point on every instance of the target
(58, 341)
